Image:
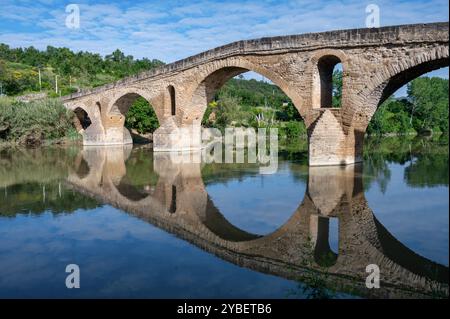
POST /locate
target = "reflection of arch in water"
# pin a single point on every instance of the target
(408, 259)
(362, 240)
(130, 191)
(83, 169)
(220, 226)
(320, 229)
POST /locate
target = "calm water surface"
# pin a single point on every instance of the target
(140, 225)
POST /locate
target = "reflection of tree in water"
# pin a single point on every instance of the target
(140, 179)
(428, 171)
(32, 181)
(37, 198)
(140, 171)
(215, 173)
(295, 153)
(377, 171)
(294, 150)
(43, 165)
(426, 160)
(429, 167)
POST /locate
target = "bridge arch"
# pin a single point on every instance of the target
(121, 100)
(115, 119)
(392, 77)
(214, 75)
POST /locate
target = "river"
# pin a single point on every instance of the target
(139, 225)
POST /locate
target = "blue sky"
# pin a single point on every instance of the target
(171, 30)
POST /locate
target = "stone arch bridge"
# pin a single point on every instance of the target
(375, 63)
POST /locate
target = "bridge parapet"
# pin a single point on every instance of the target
(401, 34)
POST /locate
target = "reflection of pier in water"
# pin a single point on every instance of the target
(180, 204)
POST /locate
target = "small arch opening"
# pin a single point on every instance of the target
(82, 120)
(327, 88)
(173, 105)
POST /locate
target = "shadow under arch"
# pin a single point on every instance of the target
(123, 103)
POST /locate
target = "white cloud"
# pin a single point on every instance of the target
(173, 30)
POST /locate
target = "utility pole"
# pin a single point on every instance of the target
(56, 84)
(40, 81)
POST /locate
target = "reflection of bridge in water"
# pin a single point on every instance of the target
(179, 204)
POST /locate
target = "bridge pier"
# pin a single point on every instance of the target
(329, 145)
(171, 138)
(95, 135)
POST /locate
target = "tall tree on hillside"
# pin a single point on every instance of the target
(429, 103)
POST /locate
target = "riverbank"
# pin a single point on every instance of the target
(73, 138)
(66, 141)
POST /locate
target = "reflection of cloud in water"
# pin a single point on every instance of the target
(417, 217)
(258, 204)
(119, 256)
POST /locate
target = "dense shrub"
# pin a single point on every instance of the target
(292, 129)
(45, 119)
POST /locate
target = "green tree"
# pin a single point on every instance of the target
(141, 117)
(429, 103)
(337, 89)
